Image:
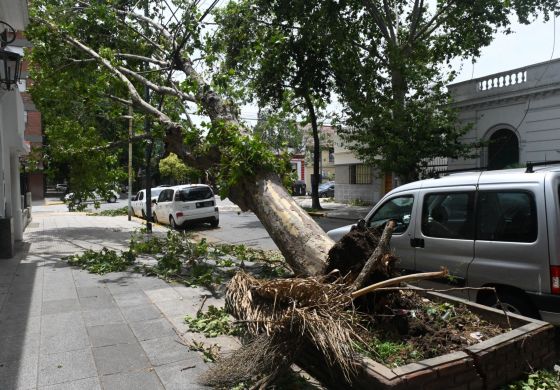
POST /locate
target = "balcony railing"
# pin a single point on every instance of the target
(502, 80)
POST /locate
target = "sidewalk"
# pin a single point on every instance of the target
(64, 328)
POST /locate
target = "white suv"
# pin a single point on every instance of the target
(179, 205)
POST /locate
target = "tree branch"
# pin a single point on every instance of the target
(157, 88)
(378, 19)
(389, 21)
(428, 29)
(144, 59)
(135, 96)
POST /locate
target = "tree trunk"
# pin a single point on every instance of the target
(315, 203)
(300, 239)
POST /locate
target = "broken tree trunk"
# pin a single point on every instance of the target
(376, 257)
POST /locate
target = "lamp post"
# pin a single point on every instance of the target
(10, 62)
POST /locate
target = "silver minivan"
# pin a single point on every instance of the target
(489, 229)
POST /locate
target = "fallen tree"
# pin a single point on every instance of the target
(141, 51)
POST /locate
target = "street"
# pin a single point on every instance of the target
(235, 227)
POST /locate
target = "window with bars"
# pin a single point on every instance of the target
(360, 174)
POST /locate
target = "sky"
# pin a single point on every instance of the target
(528, 45)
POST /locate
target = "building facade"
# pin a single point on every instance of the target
(12, 142)
(32, 178)
(515, 113)
(356, 181)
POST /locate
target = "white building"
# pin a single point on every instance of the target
(517, 114)
(12, 145)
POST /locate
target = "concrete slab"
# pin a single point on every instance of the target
(137, 380)
(102, 317)
(111, 334)
(166, 350)
(141, 313)
(120, 358)
(147, 330)
(65, 367)
(80, 384)
(19, 374)
(61, 306)
(182, 375)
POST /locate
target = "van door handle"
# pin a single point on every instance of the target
(417, 242)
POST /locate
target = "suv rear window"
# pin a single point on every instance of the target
(195, 193)
(506, 216)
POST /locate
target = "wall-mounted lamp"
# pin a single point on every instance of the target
(10, 62)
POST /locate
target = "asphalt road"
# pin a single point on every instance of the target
(235, 227)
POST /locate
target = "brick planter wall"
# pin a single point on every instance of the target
(487, 365)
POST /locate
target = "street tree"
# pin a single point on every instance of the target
(280, 130)
(176, 170)
(392, 64)
(276, 51)
(97, 52)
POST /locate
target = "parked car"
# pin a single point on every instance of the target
(490, 229)
(110, 197)
(180, 205)
(138, 202)
(61, 187)
(326, 190)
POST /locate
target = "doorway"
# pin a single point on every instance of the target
(503, 150)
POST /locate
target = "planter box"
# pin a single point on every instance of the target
(487, 365)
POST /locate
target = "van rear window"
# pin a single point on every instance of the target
(195, 193)
(506, 216)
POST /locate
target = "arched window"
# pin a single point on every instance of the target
(503, 149)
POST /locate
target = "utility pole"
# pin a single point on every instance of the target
(149, 146)
(129, 162)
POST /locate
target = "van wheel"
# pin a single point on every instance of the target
(143, 214)
(512, 301)
(112, 199)
(172, 223)
(155, 218)
(215, 223)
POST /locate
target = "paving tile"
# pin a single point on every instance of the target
(162, 294)
(19, 374)
(14, 326)
(65, 367)
(61, 306)
(166, 350)
(92, 291)
(63, 332)
(56, 293)
(103, 335)
(137, 380)
(102, 317)
(177, 307)
(131, 299)
(18, 346)
(98, 302)
(80, 384)
(182, 375)
(141, 313)
(22, 310)
(153, 329)
(119, 358)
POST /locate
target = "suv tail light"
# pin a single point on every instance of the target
(179, 214)
(555, 279)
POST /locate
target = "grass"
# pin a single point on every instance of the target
(110, 213)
